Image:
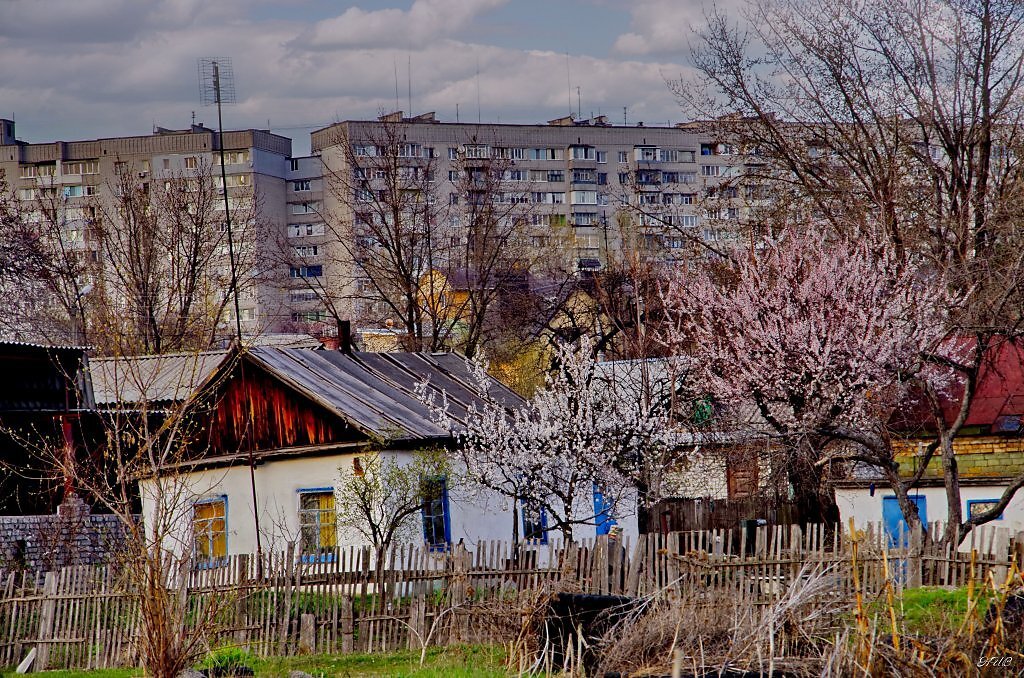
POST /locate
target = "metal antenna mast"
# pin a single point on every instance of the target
(217, 86)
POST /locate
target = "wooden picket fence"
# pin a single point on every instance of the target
(289, 602)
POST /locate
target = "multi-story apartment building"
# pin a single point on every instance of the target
(594, 187)
(87, 183)
(600, 187)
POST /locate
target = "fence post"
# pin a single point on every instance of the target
(241, 583)
(286, 613)
(46, 615)
(417, 622)
(347, 624)
(914, 560)
(307, 634)
(1002, 554)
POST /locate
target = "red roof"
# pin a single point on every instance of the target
(1000, 391)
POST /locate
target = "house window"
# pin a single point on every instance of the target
(209, 527)
(317, 520)
(436, 521)
(535, 523)
(976, 507)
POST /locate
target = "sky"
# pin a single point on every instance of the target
(82, 69)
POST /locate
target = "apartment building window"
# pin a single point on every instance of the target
(453, 175)
(547, 154)
(587, 241)
(710, 170)
(584, 218)
(300, 230)
(584, 176)
(307, 207)
(733, 213)
(510, 153)
(668, 198)
(318, 520)
(167, 163)
(301, 185)
(453, 153)
(538, 176)
(707, 149)
(309, 316)
(478, 151)
(364, 150)
(307, 250)
(687, 156)
(730, 192)
(210, 530)
(233, 158)
(307, 271)
(623, 157)
(686, 198)
(409, 151)
(689, 221)
(293, 165)
(191, 162)
(670, 177)
(646, 153)
(602, 178)
(582, 152)
(687, 177)
(301, 296)
(584, 197)
(602, 156)
(453, 198)
(556, 176)
(81, 167)
(668, 155)
(515, 175)
(34, 171)
(72, 192)
(26, 193)
(623, 178)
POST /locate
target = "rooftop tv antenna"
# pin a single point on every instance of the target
(217, 86)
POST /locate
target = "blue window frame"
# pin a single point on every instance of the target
(437, 529)
(318, 524)
(976, 506)
(535, 523)
(210, 531)
(603, 512)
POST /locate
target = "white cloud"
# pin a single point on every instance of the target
(425, 21)
(79, 89)
(666, 26)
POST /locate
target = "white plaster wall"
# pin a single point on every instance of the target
(863, 508)
(473, 516)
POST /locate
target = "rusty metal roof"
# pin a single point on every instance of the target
(376, 392)
(156, 380)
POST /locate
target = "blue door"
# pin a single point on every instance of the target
(602, 512)
(892, 516)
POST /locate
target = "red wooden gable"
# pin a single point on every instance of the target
(271, 415)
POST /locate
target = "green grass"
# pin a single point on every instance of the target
(460, 661)
(930, 609)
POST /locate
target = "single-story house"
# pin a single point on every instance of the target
(989, 452)
(273, 429)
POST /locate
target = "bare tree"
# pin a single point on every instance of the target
(379, 497)
(165, 281)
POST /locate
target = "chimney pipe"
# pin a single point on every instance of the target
(345, 336)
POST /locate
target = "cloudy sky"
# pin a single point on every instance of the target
(77, 69)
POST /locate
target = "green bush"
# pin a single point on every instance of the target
(230, 661)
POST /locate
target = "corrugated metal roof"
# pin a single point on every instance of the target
(156, 379)
(376, 392)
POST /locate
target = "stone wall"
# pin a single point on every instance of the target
(977, 457)
(72, 536)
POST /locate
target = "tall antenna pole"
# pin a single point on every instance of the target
(217, 86)
(568, 82)
(408, 76)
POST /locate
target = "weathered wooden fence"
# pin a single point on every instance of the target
(87, 617)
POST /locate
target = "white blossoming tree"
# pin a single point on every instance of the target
(822, 338)
(573, 435)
